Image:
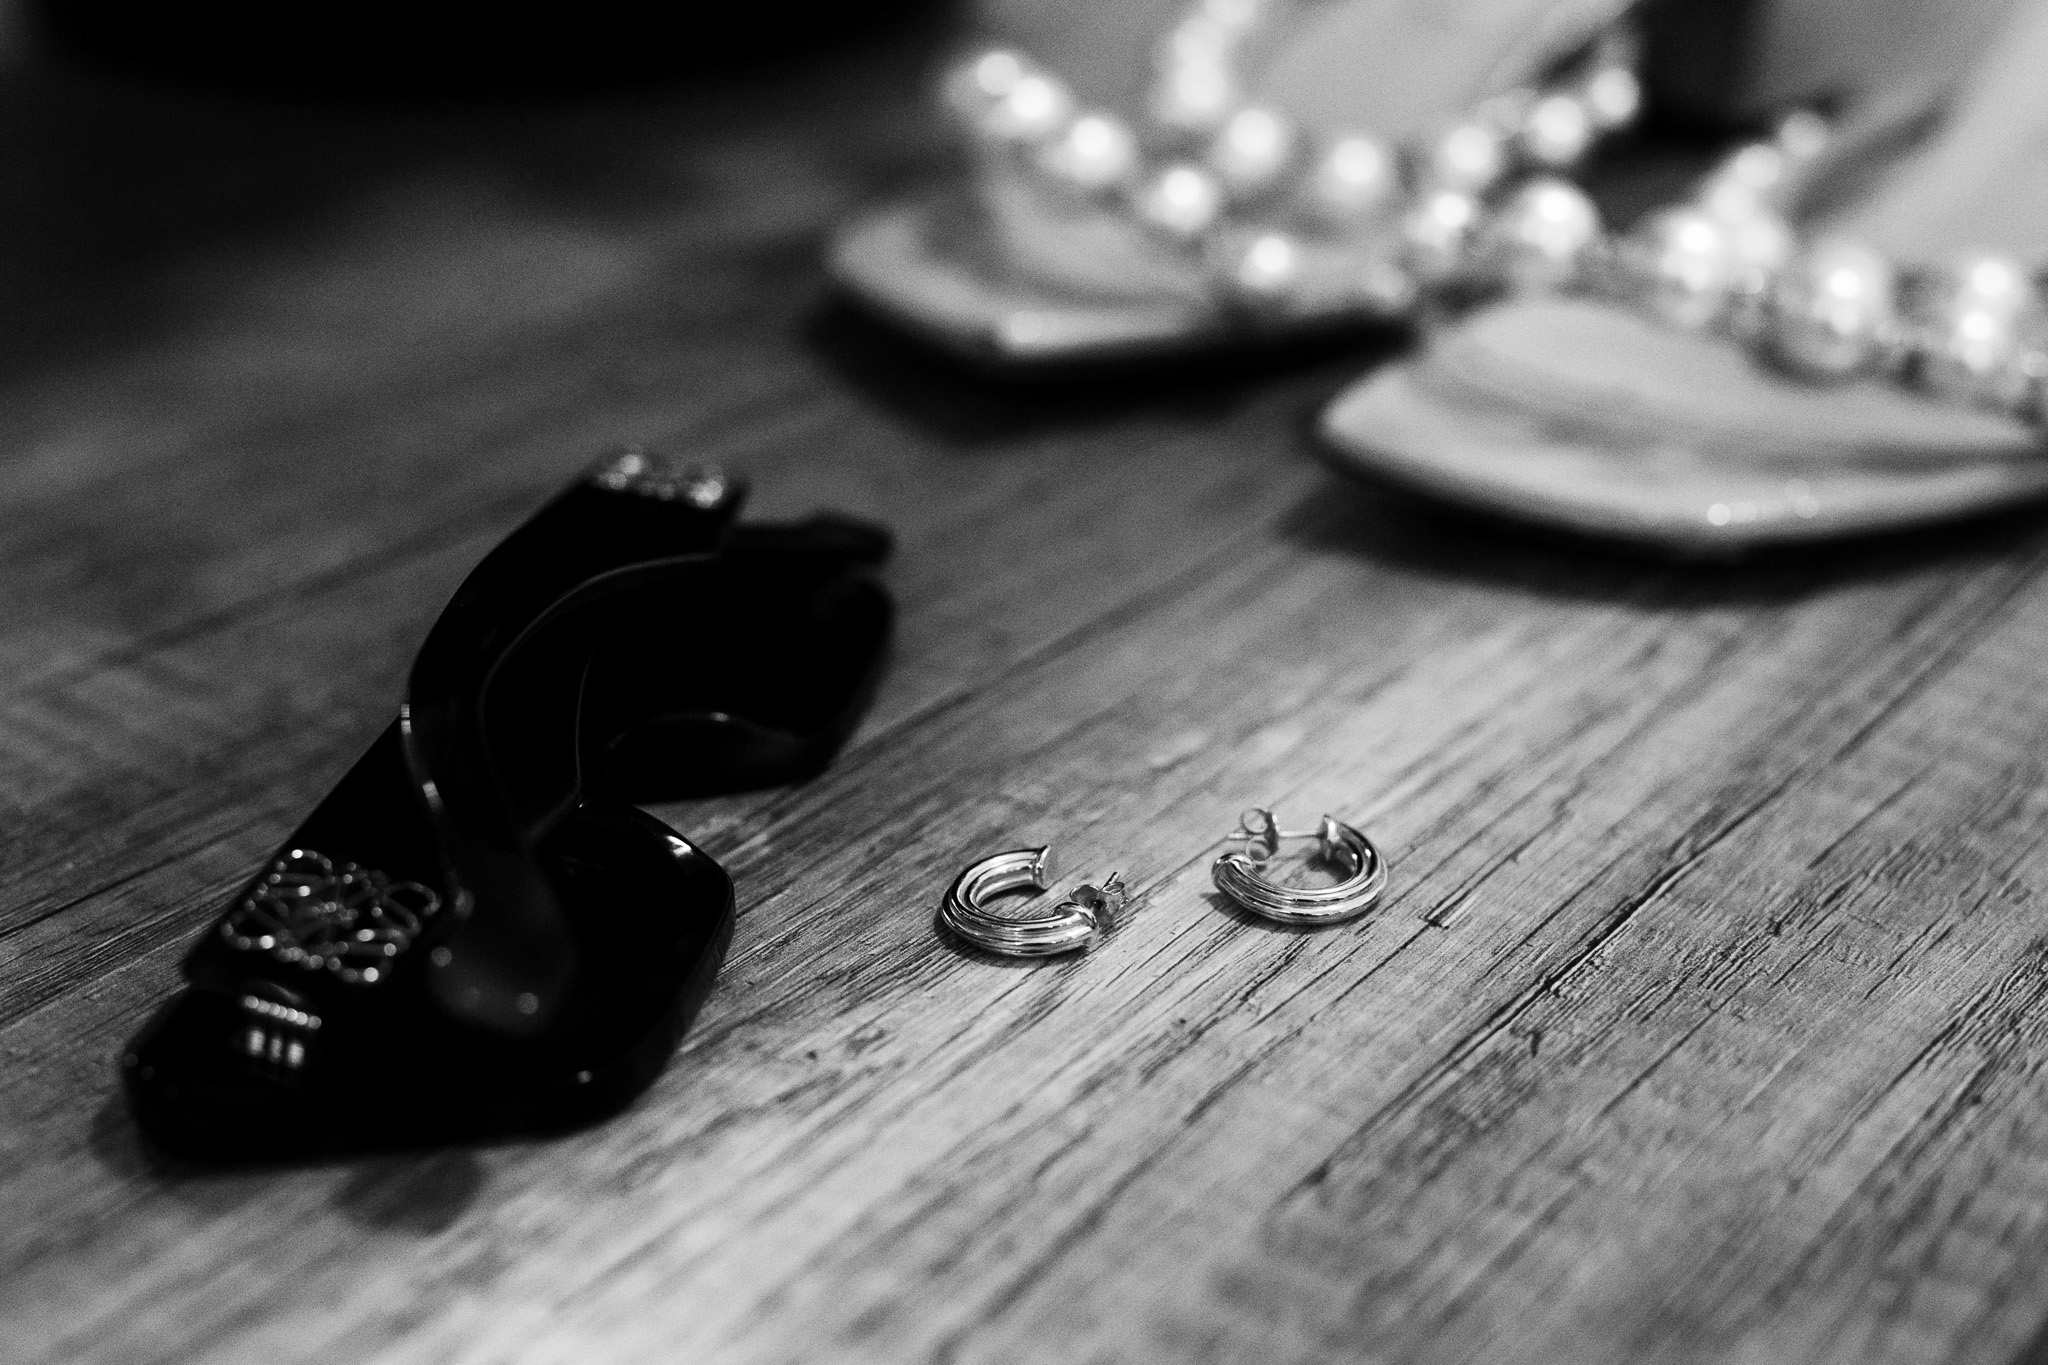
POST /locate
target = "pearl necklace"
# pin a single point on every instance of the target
(1279, 225)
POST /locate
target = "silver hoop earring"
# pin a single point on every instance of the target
(1239, 875)
(1075, 922)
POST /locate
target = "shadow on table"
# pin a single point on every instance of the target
(416, 1193)
(421, 1195)
(119, 1147)
(955, 400)
(1349, 515)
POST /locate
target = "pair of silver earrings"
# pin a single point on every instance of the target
(1086, 912)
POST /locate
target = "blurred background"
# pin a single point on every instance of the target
(132, 133)
(327, 186)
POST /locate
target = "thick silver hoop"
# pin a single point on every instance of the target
(1075, 922)
(1239, 875)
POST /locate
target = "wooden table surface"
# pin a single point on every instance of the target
(1706, 1018)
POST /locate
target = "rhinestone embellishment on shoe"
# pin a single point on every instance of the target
(651, 475)
(347, 919)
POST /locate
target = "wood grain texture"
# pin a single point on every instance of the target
(1705, 1020)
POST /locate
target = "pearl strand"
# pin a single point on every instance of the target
(1971, 332)
(1348, 225)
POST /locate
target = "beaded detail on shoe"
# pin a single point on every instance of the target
(1972, 331)
(345, 919)
(1280, 221)
(650, 474)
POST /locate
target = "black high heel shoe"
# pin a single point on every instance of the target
(476, 934)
